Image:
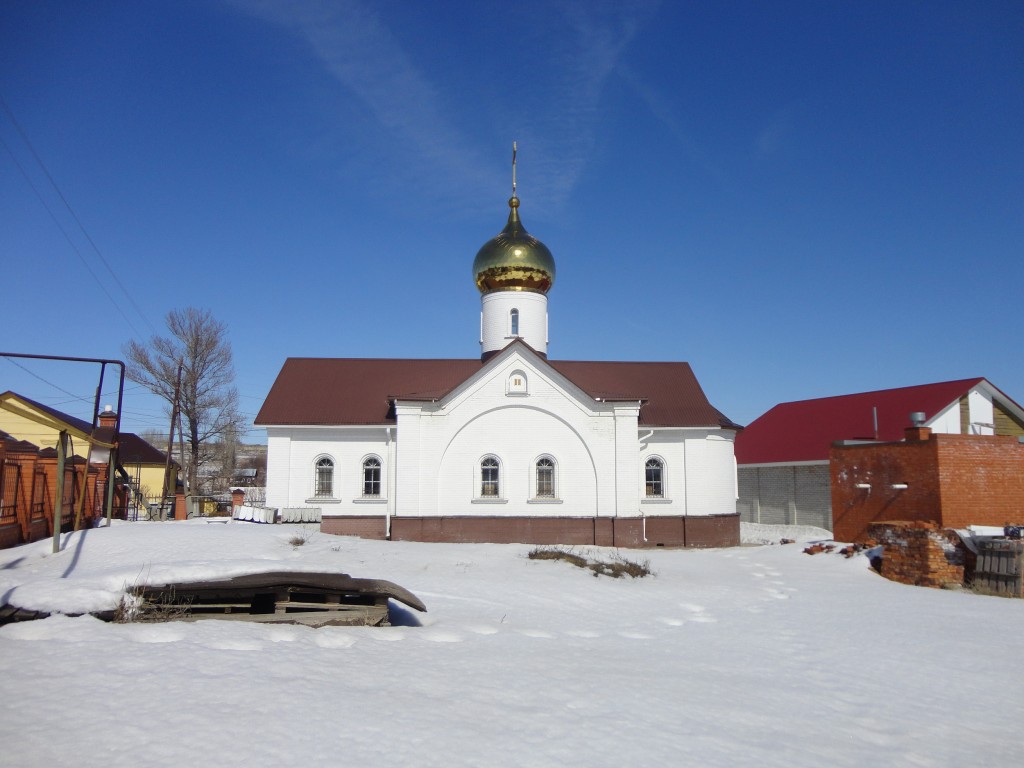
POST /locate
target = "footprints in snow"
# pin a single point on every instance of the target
(773, 587)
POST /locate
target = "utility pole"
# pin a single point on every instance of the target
(58, 502)
(189, 490)
(170, 448)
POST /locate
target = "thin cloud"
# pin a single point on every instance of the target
(601, 36)
(661, 109)
(356, 48)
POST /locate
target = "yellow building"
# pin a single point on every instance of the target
(141, 466)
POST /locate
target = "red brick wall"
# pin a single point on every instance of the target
(982, 480)
(881, 466)
(495, 530)
(952, 480)
(605, 532)
(365, 527)
(717, 531)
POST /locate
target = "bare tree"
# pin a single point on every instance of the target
(207, 401)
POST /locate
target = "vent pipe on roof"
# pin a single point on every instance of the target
(917, 418)
(874, 411)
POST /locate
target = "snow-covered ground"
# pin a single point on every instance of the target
(758, 655)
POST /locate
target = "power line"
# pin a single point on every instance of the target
(67, 236)
(37, 376)
(53, 183)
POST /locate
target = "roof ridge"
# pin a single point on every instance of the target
(971, 381)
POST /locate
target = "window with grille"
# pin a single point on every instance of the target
(514, 321)
(371, 477)
(545, 478)
(323, 481)
(654, 478)
(489, 478)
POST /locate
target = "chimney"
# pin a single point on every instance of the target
(918, 433)
(108, 418)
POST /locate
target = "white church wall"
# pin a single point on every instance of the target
(278, 467)
(699, 472)
(666, 445)
(517, 423)
(292, 454)
(711, 473)
(517, 435)
(411, 471)
(628, 483)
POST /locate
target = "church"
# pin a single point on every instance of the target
(507, 447)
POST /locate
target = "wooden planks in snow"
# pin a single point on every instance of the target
(999, 567)
(311, 599)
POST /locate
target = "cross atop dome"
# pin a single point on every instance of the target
(513, 272)
(514, 260)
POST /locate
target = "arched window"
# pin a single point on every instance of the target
(323, 478)
(654, 478)
(371, 477)
(514, 321)
(545, 478)
(517, 383)
(490, 482)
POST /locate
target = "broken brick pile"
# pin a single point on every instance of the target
(848, 551)
(922, 554)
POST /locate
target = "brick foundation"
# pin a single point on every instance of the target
(922, 554)
(716, 531)
(366, 527)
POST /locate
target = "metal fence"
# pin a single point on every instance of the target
(153, 508)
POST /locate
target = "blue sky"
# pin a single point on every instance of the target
(800, 199)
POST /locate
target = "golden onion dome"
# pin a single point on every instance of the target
(514, 260)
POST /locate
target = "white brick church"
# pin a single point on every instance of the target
(507, 447)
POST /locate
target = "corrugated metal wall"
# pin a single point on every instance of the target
(787, 495)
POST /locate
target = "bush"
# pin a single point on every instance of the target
(616, 567)
(134, 609)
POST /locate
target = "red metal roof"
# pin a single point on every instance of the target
(353, 391)
(804, 430)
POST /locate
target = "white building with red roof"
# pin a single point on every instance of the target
(783, 455)
(507, 447)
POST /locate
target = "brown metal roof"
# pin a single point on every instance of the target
(673, 396)
(132, 449)
(14, 445)
(354, 391)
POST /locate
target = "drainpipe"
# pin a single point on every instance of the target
(643, 517)
(686, 493)
(392, 485)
